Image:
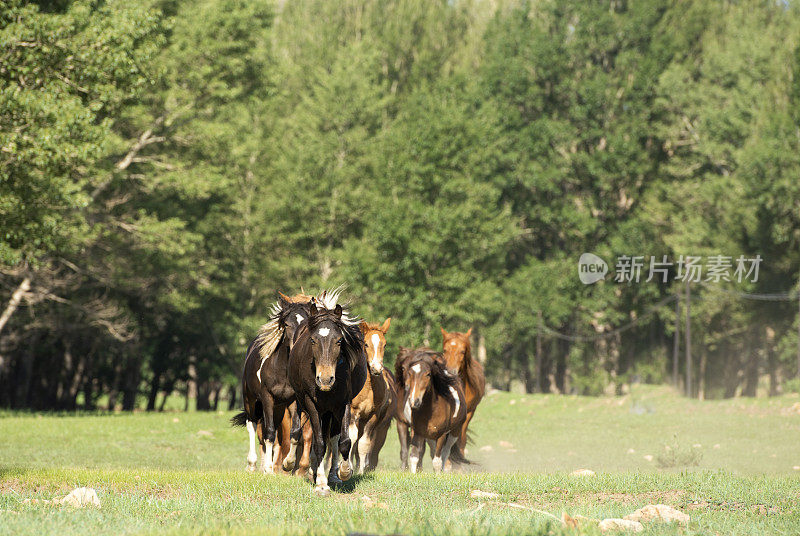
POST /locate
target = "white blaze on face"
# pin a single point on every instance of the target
(324, 332)
(453, 343)
(407, 410)
(376, 344)
(458, 402)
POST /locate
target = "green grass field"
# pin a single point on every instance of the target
(737, 471)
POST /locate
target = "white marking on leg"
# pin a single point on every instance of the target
(437, 464)
(364, 447)
(252, 457)
(413, 461)
(266, 458)
(455, 397)
(276, 454)
(324, 332)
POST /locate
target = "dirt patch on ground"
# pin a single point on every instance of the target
(733, 506)
(559, 497)
(11, 485)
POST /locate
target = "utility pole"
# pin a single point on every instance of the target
(539, 354)
(688, 331)
(676, 340)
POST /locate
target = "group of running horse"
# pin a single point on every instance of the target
(314, 381)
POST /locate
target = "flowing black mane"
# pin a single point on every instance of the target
(441, 379)
(353, 344)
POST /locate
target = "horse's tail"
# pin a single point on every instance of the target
(240, 419)
(458, 457)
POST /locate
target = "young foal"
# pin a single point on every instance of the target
(458, 359)
(431, 403)
(327, 367)
(372, 409)
(265, 383)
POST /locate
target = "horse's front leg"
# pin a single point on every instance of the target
(416, 452)
(436, 452)
(268, 438)
(294, 438)
(305, 458)
(449, 443)
(318, 463)
(402, 436)
(345, 469)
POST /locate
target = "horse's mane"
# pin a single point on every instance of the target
(474, 371)
(271, 333)
(326, 302)
(441, 379)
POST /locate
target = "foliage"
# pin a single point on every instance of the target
(166, 166)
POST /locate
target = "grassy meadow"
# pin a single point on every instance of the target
(733, 465)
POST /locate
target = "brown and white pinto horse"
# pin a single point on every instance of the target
(431, 404)
(457, 355)
(373, 407)
(327, 368)
(265, 384)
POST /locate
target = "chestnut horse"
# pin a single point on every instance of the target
(457, 355)
(327, 368)
(265, 384)
(372, 409)
(431, 403)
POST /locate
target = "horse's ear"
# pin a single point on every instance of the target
(385, 326)
(338, 311)
(312, 309)
(283, 299)
(364, 327)
(444, 333)
(469, 332)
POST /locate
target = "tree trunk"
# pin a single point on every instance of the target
(13, 303)
(561, 366)
(155, 385)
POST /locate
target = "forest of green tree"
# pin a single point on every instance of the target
(167, 165)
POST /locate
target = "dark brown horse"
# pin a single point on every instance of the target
(327, 367)
(372, 409)
(457, 353)
(265, 383)
(431, 407)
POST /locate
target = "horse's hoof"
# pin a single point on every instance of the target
(334, 480)
(345, 470)
(288, 465)
(267, 470)
(251, 468)
(319, 491)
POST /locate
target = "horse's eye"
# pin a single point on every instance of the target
(313, 341)
(340, 342)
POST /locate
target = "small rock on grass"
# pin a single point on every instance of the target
(648, 457)
(582, 472)
(480, 494)
(610, 524)
(658, 512)
(78, 498)
(505, 444)
(486, 448)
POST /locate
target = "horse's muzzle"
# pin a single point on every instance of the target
(375, 368)
(325, 383)
(416, 402)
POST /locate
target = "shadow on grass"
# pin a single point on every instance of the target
(350, 485)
